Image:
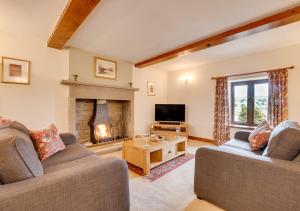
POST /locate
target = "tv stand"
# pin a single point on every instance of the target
(169, 123)
(170, 129)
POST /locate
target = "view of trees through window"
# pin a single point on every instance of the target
(261, 94)
(250, 102)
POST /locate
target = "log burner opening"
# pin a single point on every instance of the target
(100, 123)
(113, 117)
(102, 133)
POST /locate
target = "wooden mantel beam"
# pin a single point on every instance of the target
(73, 15)
(267, 23)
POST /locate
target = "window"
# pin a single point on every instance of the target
(249, 102)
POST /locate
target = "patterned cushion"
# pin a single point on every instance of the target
(259, 137)
(47, 142)
(4, 121)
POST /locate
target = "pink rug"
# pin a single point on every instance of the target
(163, 169)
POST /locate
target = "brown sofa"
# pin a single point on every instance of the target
(235, 178)
(73, 179)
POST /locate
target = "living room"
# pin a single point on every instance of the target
(174, 105)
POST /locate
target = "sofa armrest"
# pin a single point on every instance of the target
(242, 135)
(241, 180)
(68, 138)
(88, 183)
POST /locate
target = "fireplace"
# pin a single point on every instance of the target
(114, 106)
(100, 123)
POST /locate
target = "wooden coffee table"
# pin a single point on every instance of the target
(147, 155)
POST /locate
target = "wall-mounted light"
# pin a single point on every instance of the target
(186, 79)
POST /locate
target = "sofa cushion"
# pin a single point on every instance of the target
(68, 138)
(20, 127)
(47, 142)
(72, 152)
(239, 150)
(259, 137)
(242, 135)
(284, 141)
(240, 144)
(29, 155)
(18, 159)
(72, 163)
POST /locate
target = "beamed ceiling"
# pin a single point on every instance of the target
(135, 30)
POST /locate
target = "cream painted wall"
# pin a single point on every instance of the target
(45, 100)
(83, 63)
(144, 104)
(199, 94)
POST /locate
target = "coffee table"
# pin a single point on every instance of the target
(147, 155)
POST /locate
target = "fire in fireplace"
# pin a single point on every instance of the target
(101, 126)
(102, 131)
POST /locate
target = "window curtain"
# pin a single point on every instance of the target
(278, 96)
(221, 115)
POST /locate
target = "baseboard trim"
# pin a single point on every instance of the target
(202, 139)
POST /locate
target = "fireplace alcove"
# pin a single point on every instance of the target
(101, 127)
(82, 97)
(101, 121)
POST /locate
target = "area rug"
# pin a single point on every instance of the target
(163, 169)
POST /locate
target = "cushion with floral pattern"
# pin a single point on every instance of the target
(259, 137)
(47, 142)
(4, 121)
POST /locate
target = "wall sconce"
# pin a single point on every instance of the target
(186, 79)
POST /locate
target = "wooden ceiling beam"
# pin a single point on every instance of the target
(73, 15)
(265, 24)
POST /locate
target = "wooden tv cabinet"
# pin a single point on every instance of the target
(168, 129)
(147, 155)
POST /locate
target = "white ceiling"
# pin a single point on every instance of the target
(134, 30)
(30, 18)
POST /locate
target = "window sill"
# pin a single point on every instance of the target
(245, 127)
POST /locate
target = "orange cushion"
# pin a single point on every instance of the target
(4, 121)
(259, 138)
(47, 142)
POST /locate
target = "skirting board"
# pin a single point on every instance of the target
(202, 139)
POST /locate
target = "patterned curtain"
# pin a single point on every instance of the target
(278, 96)
(221, 116)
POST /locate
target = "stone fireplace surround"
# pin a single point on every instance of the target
(83, 92)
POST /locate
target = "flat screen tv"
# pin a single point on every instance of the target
(170, 112)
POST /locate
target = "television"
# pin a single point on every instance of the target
(169, 112)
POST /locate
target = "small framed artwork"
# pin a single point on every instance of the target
(15, 71)
(151, 88)
(105, 68)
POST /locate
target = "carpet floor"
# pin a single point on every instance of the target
(171, 192)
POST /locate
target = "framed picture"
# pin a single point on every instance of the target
(105, 68)
(15, 71)
(151, 88)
